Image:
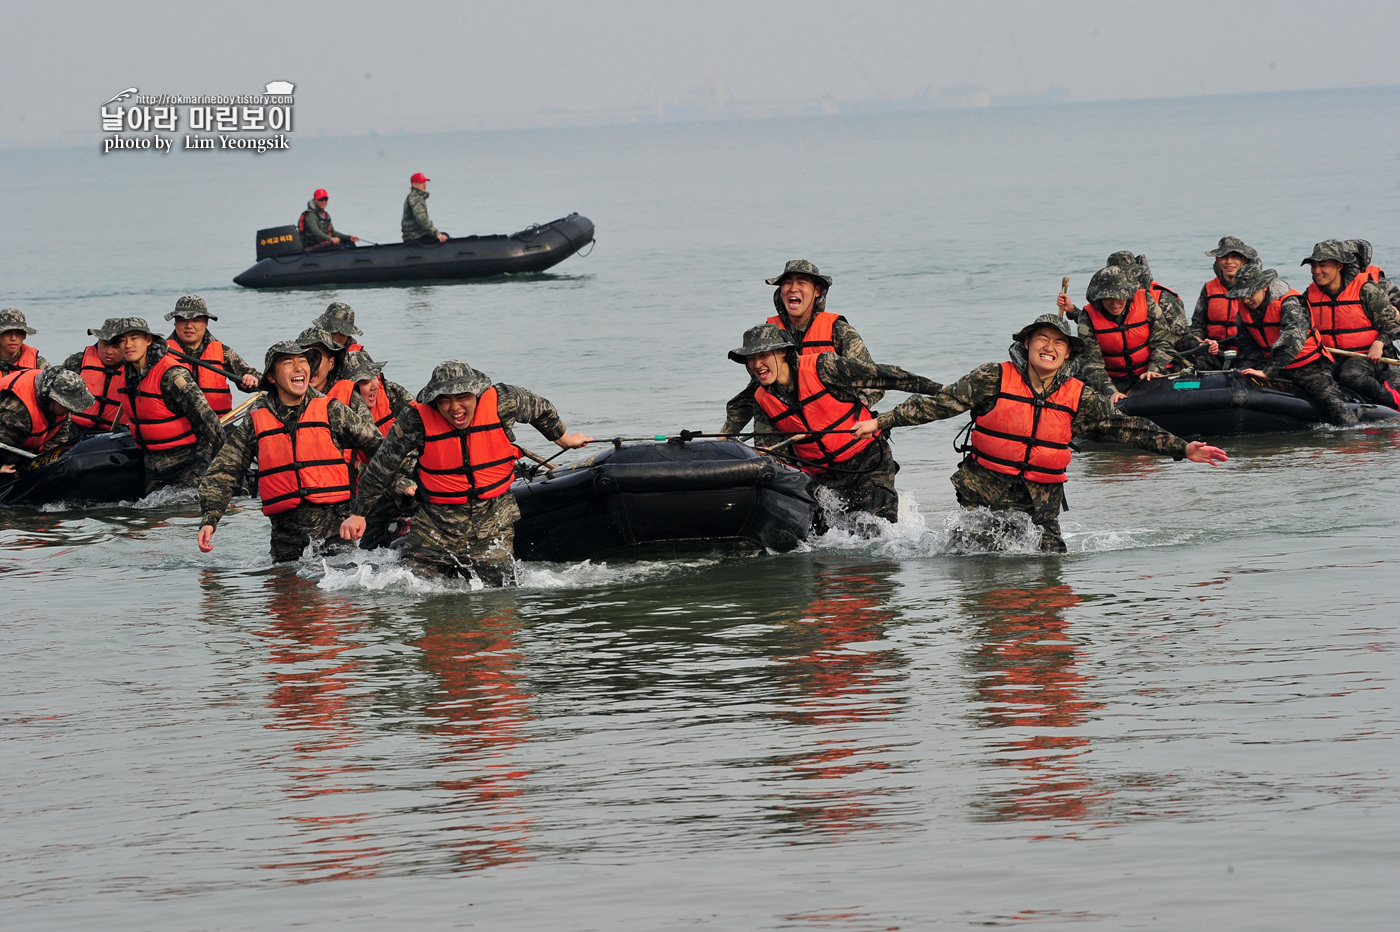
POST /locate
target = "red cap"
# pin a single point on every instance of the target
(320, 193)
(419, 178)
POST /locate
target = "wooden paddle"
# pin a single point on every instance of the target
(18, 452)
(1342, 352)
(1064, 289)
(238, 412)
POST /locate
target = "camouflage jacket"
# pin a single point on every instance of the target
(1089, 367)
(15, 425)
(397, 395)
(740, 409)
(240, 450)
(232, 361)
(7, 367)
(846, 379)
(316, 226)
(1174, 314)
(1295, 323)
(415, 221)
(977, 392)
(182, 395)
(407, 436)
(1376, 302)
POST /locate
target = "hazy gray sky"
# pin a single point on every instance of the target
(362, 66)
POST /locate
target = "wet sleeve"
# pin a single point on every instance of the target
(351, 431)
(971, 391)
(1159, 338)
(765, 434)
(1376, 303)
(516, 404)
(182, 394)
(857, 375)
(405, 438)
(1295, 323)
(235, 363)
(1096, 415)
(848, 343)
(221, 479)
(740, 409)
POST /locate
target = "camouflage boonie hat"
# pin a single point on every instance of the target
(1329, 249)
(1112, 281)
(360, 367)
(453, 378)
(339, 318)
(801, 267)
(1250, 278)
(314, 336)
(190, 307)
(1076, 345)
(281, 348)
(119, 326)
(65, 387)
(1122, 258)
(12, 318)
(761, 339)
(107, 332)
(1229, 244)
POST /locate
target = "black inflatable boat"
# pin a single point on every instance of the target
(98, 468)
(663, 498)
(282, 263)
(1223, 404)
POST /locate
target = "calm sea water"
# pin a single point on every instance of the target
(1188, 721)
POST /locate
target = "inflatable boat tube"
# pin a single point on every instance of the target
(1199, 405)
(99, 468)
(660, 499)
(533, 249)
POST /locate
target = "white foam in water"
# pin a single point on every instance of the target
(170, 495)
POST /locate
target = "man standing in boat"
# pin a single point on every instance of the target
(1349, 307)
(316, 227)
(800, 300)
(100, 367)
(15, 353)
(1278, 340)
(820, 393)
(1213, 320)
(460, 429)
(301, 440)
(1132, 340)
(34, 412)
(416, 226)
(171, 421)
(1024, 414)
(191, 336)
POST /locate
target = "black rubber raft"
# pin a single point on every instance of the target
(631, 500)
(531, 250)
(1225, 404)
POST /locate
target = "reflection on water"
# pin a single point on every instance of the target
(311, 662)
(838, 671)
(480, 709)
(1029, 686)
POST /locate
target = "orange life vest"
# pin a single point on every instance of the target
(28, 358)
(106, 386)
(353, 347)
(1342, 321)
(153, 424)
(382, 414)
(300, 464)
(456, 467)
(1024, 435)
(342, 391)
(1123, 342)
(817, 410)
(1221, 312)
(1157, 289)
(214, 386)
(20, 383)
(1265, 332)
(817, 338)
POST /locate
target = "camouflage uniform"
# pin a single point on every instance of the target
(13, 319)
(415, 224)
(61, 386)
(979, 487)
(182, 465)
(1173, 308)
(1362, 376)
(317, 227)
(1088, 366)
(450, 538)
(846, 342)
(866, 481)
(360, 367)
(291, 530)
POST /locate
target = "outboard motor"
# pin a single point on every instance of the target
(279, 241)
